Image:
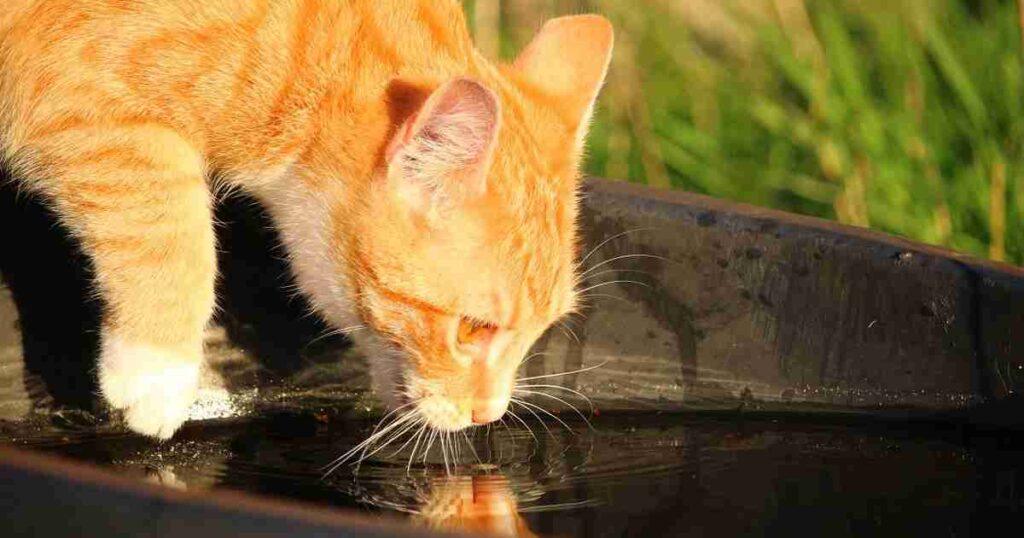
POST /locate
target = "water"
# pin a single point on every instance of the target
(632, 475)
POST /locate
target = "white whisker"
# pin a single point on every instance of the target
(372, 435)
(419, 437)
(546, 412)
(378, 432)
(540, 420)
(406, 429)
(335, 332)
(444, 452)
(507, 429)
(559, 387)
(413, 425)
(606, 241)
(610, 282)
(620, 257)
(579, 371)
(532, 355)
(395, 425)
(430, 443)
(471, 448)
(565, 328)
(610, 271)
(604, 296)
(525, 425)
(556, 398)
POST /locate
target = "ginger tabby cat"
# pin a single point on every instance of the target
(418, 188)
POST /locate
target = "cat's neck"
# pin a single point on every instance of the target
(305, 216)
(311, 190)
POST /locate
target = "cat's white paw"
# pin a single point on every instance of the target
(154, 387)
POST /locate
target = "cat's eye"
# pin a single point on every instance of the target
(474, 332)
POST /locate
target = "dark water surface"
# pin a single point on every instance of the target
(633, 474)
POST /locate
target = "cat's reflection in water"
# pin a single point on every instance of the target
(475, 504)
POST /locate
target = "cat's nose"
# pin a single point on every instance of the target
(489, 410)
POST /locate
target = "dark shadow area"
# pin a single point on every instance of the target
(49, 276)
(260, 306)
(636, 474)
(50, 281)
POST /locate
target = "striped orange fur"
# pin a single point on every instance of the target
(417, 186)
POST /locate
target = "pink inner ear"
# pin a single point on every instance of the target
(447, 144)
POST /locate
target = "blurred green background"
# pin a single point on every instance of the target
(901, 115)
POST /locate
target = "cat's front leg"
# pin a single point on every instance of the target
(138, 200)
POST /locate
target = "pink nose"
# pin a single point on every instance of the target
(488, 411)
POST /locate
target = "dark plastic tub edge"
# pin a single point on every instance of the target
(42, 495)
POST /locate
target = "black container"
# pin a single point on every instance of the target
(721, 309)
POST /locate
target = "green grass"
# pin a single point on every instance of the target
(903, 115)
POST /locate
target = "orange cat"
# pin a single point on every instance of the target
(419, 189)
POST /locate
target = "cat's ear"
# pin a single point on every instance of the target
(568, 61)
(443, 152)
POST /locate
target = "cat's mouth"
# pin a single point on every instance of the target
(437, 409)
(444, 414)
(447, 400)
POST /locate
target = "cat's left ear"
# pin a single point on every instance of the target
(443, 152)
(567, 61)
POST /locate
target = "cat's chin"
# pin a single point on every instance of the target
(443, 414)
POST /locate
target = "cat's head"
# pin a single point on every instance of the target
(463, 251)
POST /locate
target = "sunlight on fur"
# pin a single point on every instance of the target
(422, 192)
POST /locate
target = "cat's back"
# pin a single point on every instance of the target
(216, 67)
(411, 27)
(10, 11)
(155, 56)
(77, 39)
(38, 26)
